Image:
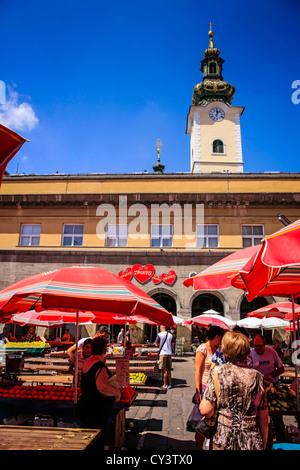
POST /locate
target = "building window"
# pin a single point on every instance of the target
(252, 235)
(30, 235)
(161, 235)
(116, 235)
(207, 236)
(72, 235)
(218, 146)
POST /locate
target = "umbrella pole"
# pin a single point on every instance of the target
(296, 365)
(124, 340)
(76, 359)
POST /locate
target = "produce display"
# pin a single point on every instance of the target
(127, 394)
(137, 377)
(280, 398)
(27, 344)
(40, 392)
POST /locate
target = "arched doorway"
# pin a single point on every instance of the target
(201, 304)
(247, 306)
(166, 301)
(204, 302)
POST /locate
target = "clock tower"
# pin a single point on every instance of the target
(213, 123)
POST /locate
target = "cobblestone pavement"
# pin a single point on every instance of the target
(157, 419)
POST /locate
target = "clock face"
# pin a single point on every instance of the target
(216, 114)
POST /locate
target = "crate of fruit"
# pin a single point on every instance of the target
(24, 346)
(137, 378)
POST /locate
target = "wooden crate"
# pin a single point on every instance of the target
(116, 432)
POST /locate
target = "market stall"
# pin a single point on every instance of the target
(46, 404)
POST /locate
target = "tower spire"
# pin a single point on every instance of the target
(212, 87)
(210, 35)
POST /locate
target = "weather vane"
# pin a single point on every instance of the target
(158, 167)
(158, 143)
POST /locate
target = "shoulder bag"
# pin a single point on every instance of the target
(208, 426)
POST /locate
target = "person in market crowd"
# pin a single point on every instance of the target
(121, 336)
(31, 335)
(129, 349)
(127, 334)
(103, 332)
(5, 335)
(164, 341)
(242, 422)
(278, 349)
(203, 364)
(219, 357)
(267, 361)
(98, 394)
(83, 354)
(67, 336)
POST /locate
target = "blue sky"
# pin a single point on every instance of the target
(94, 84)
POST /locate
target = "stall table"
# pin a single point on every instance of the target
(46, 379)
(61, 345)
(41, 367)
(46, 438)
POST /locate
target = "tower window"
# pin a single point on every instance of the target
(218, 146)
(212, 67)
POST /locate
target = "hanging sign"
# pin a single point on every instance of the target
(166, 278)
(127, 274)
(145, 273)
(122, 371)
(169, 278)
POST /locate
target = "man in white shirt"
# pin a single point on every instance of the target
(164, 341)
(266, 360)
(121, 336)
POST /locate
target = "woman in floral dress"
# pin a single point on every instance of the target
(243, 412)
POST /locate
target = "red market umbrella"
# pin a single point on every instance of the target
(81, 288)
(279, 309)
(35, 319)
(10, 144)
(205, 320)
(219, 275)
(50, 318)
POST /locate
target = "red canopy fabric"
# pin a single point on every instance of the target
(277, 309)
(81, 288)
(205, 320)
(10, 144)
(220, 274)
(51, 317)
(275, 268)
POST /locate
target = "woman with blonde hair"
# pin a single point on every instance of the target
(243, 412)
